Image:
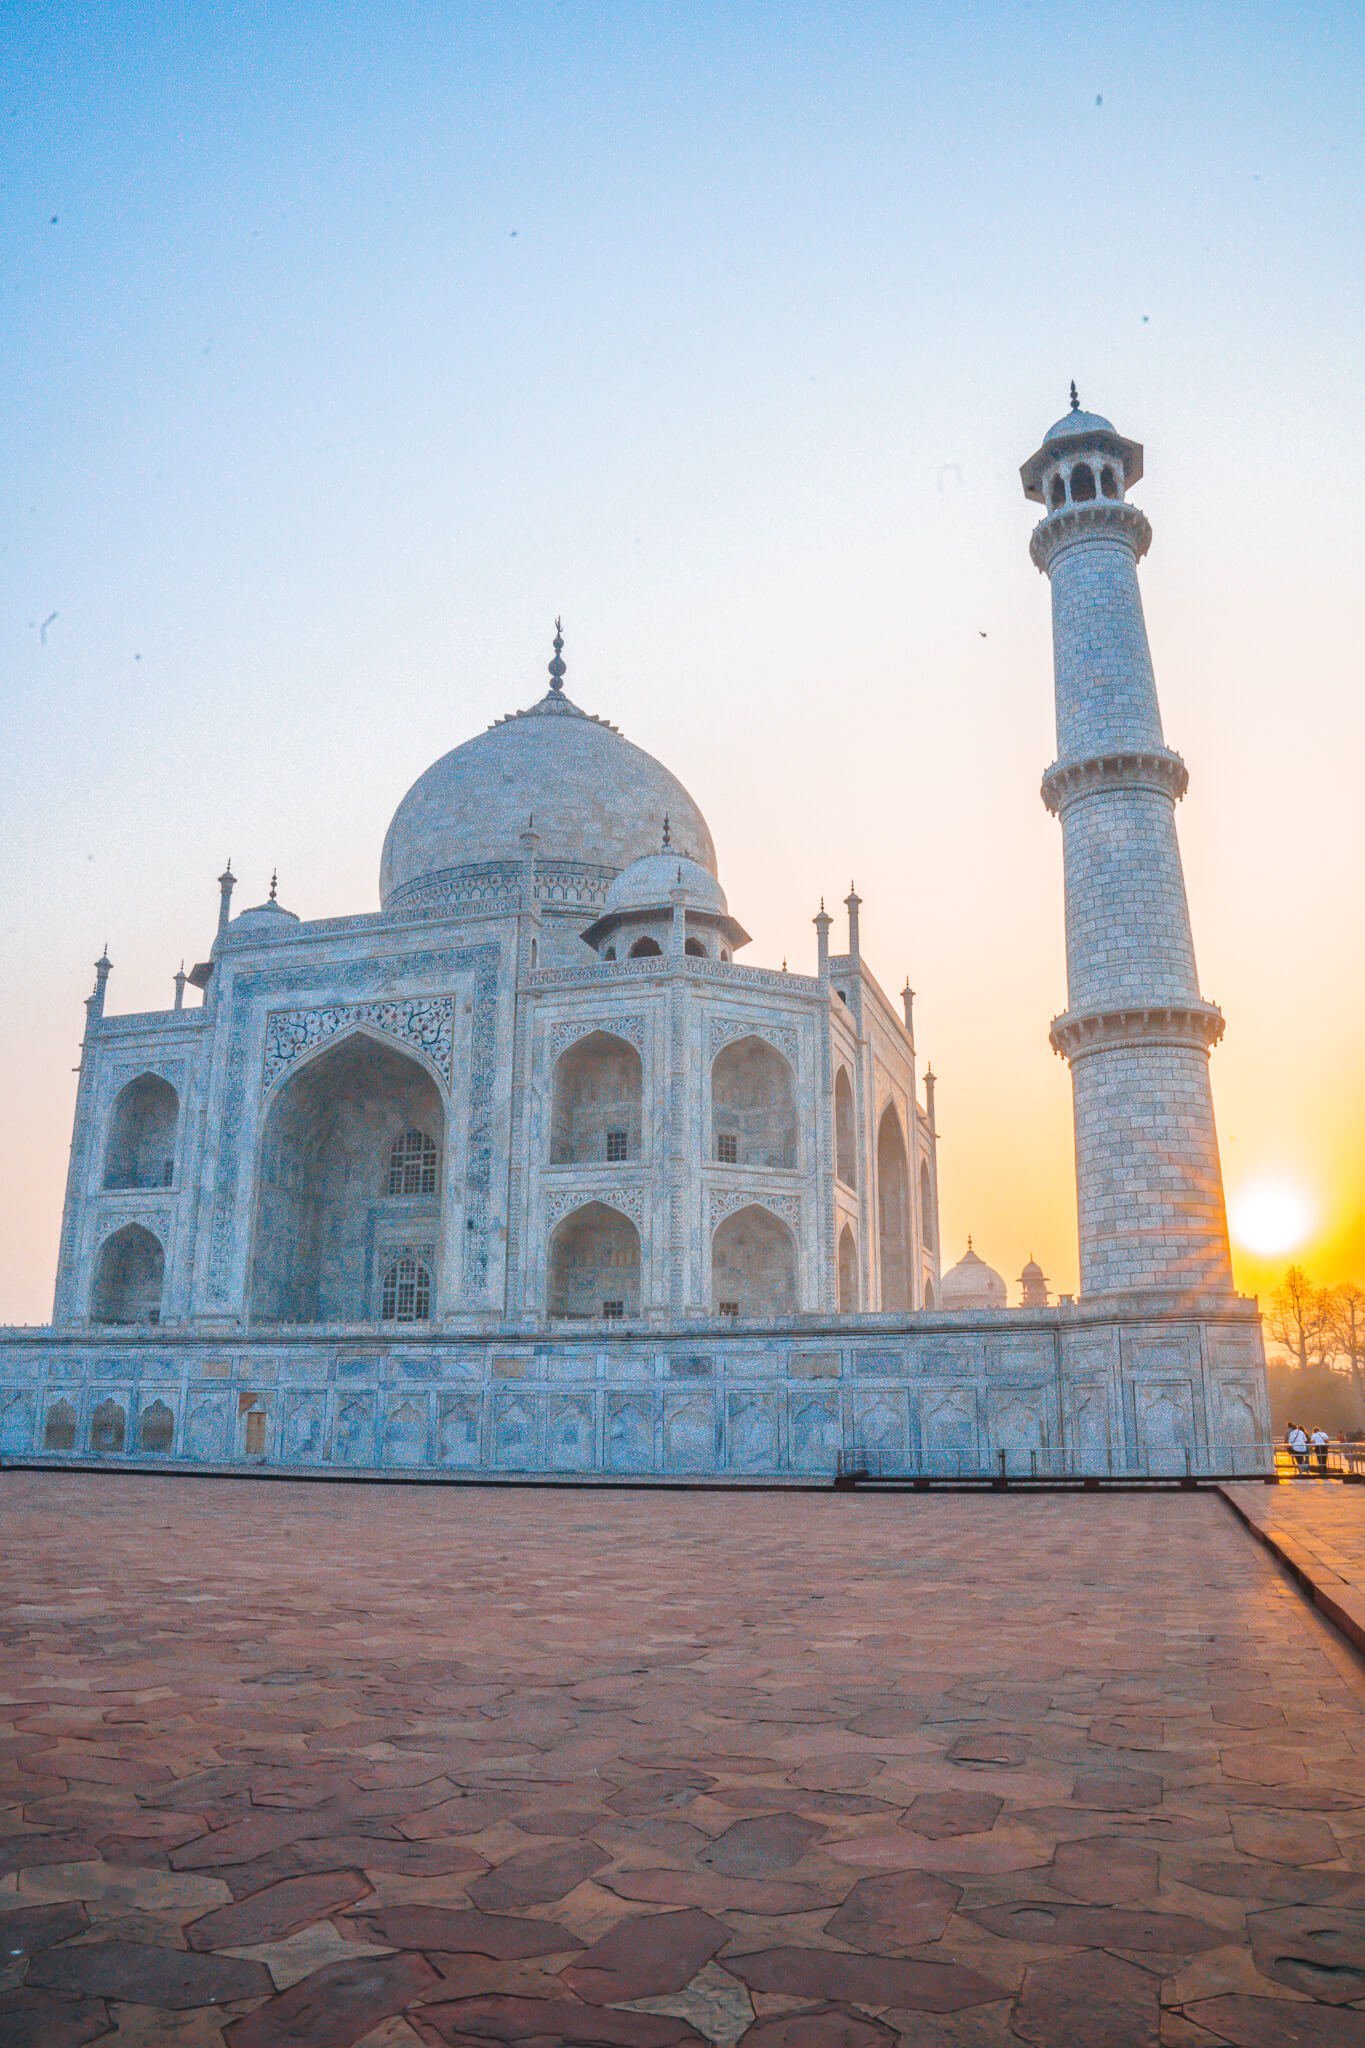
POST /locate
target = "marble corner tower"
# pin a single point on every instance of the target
(1136, 1032)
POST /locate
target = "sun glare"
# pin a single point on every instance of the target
(1270, 1216)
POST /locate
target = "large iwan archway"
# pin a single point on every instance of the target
(594, 1265)
(753, 1265)
(349, 1183)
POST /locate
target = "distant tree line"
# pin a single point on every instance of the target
(1320, 1334)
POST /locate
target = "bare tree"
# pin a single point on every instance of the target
(1297, 1319)
(1345, 1332)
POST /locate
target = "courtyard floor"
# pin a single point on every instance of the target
(336, 1764)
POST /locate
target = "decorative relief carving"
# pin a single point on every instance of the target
(424, 1022)
(1155, 768)
(629, 1200)
(722, 1202)
(631, 1028)
(694, 968)
(784, 1037)
(1078, 522)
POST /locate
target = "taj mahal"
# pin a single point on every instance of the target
(531, 1171)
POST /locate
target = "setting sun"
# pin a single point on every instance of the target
(1271, 1216)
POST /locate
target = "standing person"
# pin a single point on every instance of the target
(1320, 1441)
(1297, 1440)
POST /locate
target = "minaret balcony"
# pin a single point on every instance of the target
(1102, 519)
(1196, 1025)
(1154, 768)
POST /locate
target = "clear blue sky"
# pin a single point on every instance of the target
(343, 345)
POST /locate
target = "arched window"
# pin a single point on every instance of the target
(595, 1111)
(610, 953)
(412, 1164)
(141, 1150)
(59, 1427)
(695, 948)
(1108, 487)
(645, 948)
(594, 1265)
(753, 1106)
(928, 1293)
(753, 1265)
(108, 1428)
(725, 953)
(845, 1144)
(128, 1277)
(893, 1211)
(406, 1293)
(848, 1272)
(1057, 494)
(156, 1427)
(1082, 483)
(928, 1233)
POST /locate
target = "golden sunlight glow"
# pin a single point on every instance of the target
(1271, 1215)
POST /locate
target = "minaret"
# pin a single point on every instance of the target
(1136, 1031)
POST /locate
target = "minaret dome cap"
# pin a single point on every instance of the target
(1080, 430)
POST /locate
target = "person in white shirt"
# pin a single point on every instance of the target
(1320, 1441)
(1297, 1440)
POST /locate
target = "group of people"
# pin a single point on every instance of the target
(1304, 1447)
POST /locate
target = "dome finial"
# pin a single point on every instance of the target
(557, 665)
(668, 839)
(274, 882)
(1075, 397)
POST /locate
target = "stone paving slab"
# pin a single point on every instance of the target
(384, 1767)
(1317, 1529)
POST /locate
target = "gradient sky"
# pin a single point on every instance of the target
(344, 345)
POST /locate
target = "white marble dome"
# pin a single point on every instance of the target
(595, 798)
(648, 884)
(971, 1283)
(1078, 423)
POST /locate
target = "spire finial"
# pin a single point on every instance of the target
(557, 665)
(274, 882)
(969, 1240)
(1075, 397)
(668, 833)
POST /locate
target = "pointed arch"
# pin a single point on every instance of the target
(129, 1274)
(593, 1268)
(893, 1212)
(848, 1272)
(845, 1139)
(753, 1264)
(928, 1223)
(326, 1219)
(753, 1105)
(140, 1152)
(596, 1106)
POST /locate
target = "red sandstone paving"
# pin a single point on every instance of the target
(334, 1765)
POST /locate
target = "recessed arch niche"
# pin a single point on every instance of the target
(594, 1264)
(845, 1142)
(128, 1279)
(893, 1212)
(848, 1272)
(326, 1220)
(141, 1148)
(753, 1264)
(753, 1105)
(595, 1111)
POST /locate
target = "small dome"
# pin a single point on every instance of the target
(265, 918)
(971, 1283)
(648, 884)
(1033, 1271)
(1078, 423)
